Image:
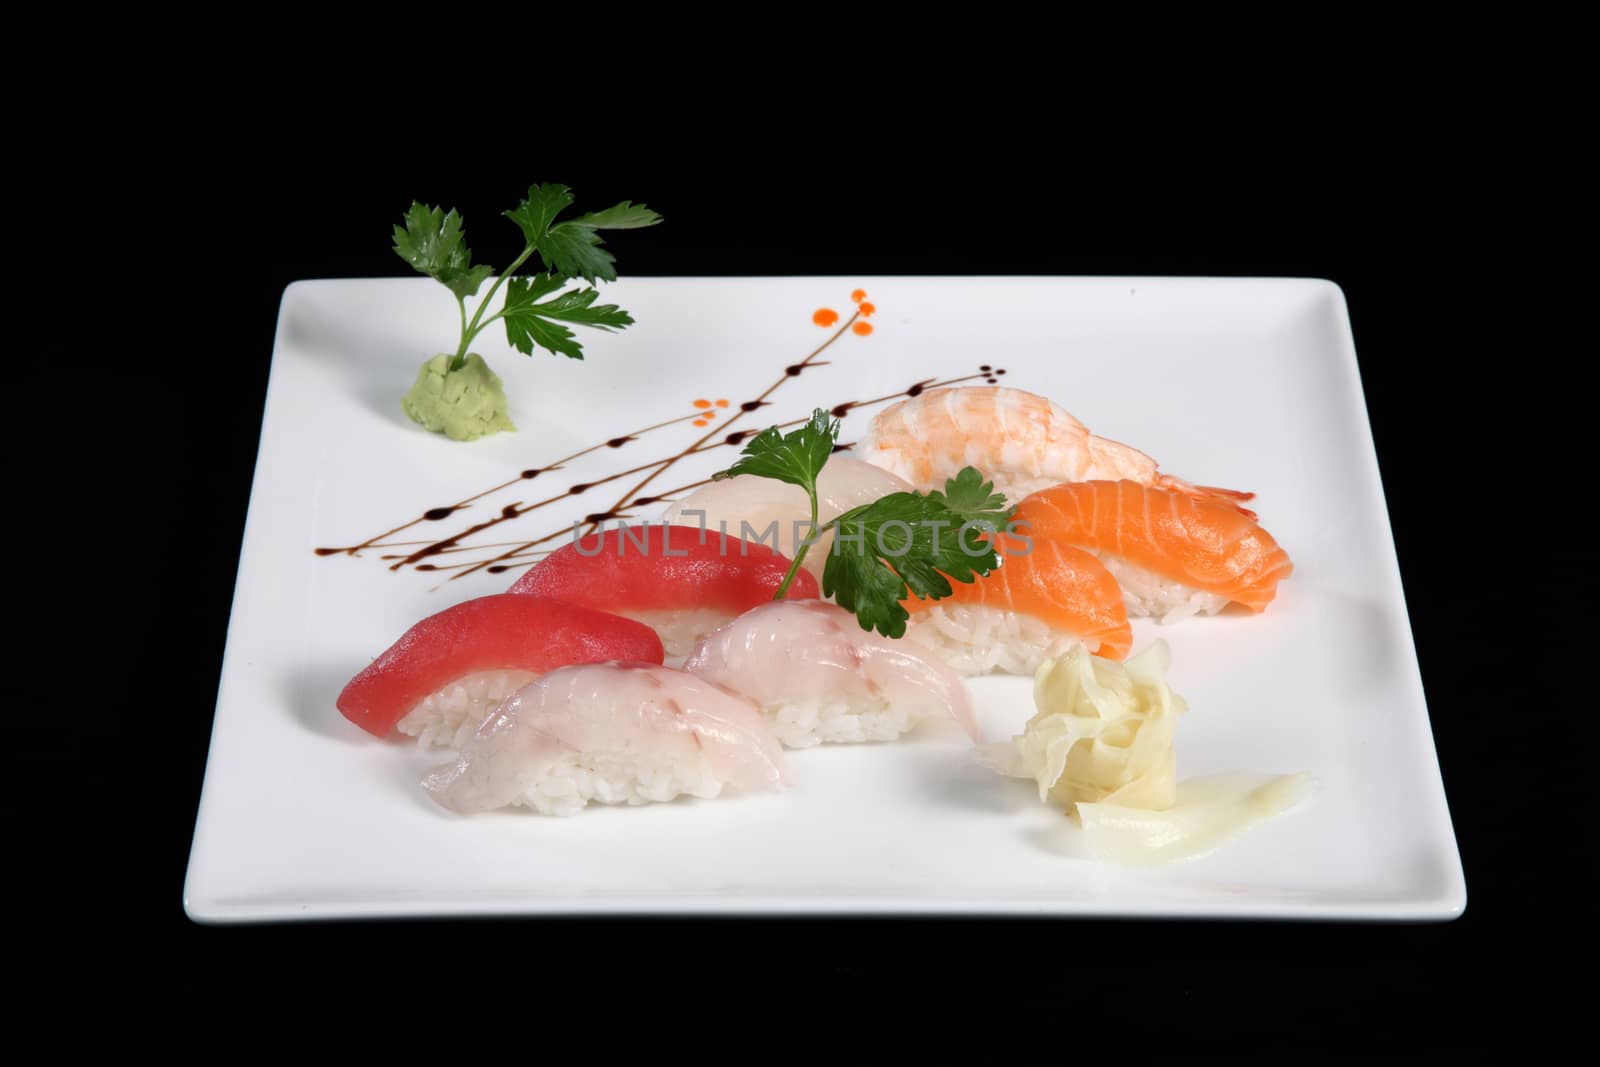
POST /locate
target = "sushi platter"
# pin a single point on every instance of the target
(596, 661)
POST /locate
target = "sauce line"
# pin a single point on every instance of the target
(792, 371)
(522, 553)
(441, 513)
(452, 544)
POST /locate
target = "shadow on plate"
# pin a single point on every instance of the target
(383, 399)
(308, 326)
(311, 695)
(1061, 837)
(968, 786)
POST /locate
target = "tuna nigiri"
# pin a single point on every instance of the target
(613, 733)
(818, 676)
(749, 505)
(440, 680)
(1173, 554)
(680, 580)
(1044, 598)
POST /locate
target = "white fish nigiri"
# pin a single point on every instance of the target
(818, 676)
(766, 504)
(613, 733)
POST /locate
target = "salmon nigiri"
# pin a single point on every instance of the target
(680, 580)
(1044, 598)
(444, 676)
(1174, 554)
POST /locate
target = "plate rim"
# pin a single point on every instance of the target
(207, 908)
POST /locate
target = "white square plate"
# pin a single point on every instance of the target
(1247, 383)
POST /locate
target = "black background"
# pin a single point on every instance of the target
(1397, 213)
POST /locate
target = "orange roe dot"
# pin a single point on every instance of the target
(862, 328)
(702, 403)
(722, 403)
(859, 295)
(868, 308)
(825, 316)
(702, 422)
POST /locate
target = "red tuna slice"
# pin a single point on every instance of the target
(500, 632)
(665, 568)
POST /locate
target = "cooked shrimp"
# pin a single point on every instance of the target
(1023, 442)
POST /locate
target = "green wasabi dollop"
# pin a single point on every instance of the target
(464, 404)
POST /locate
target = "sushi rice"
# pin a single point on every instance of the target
(566, 785)
(680, 630)
(447, 717)
(801, 725)
(1147, 595)
(974, 639)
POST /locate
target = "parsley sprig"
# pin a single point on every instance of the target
(432, 241)
(796, 458)
(898, 545)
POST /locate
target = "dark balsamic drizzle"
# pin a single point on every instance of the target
(667, 464)
(518, 552)
(435, 514)
(916, 389)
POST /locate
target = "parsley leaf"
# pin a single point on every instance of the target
(573, 247)
(900, 545)
(624, 216)
(529, 323)
(908, 544)
(431, 241)
(575, 251)
(578, 305)
(524, 332)
(968, 494)
(539, 210)
(796, 458)
(527, 290)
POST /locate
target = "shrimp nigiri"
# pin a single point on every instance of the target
(451, 669)
(1044, 598)
(681, 581)
(1022, 441)
(613, 733)
(1173, 554)
(818, 676)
